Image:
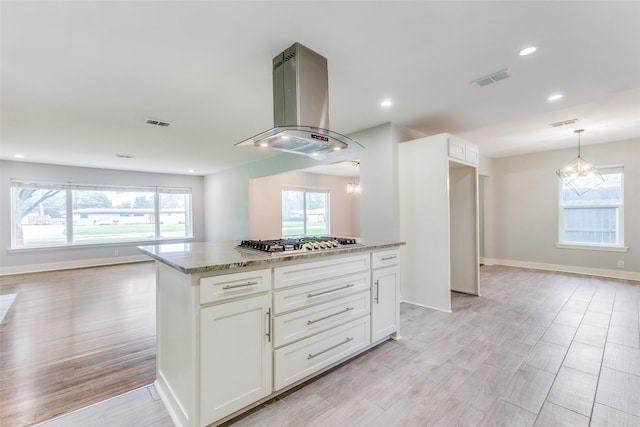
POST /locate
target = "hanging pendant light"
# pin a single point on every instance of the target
(580, 175)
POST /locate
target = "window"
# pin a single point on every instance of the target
(47, 214)
(305, 212)
(597, 217)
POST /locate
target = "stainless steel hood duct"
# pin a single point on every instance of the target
(301, 107)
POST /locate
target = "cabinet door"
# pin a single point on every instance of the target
(384, 303)
(456, 149)
(235, 356)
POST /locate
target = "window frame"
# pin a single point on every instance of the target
(306, 190)
(607, 247)
(70, 239)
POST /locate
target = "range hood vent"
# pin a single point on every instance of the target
(301, 107)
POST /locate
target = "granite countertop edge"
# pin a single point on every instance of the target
(189, 264)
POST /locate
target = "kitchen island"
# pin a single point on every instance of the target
(236, 327)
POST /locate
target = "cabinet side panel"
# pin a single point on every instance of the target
(424, 219)
(176, 325)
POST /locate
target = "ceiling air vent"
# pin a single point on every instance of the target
(124, 156)
(492, 78)
(563, 123)
(157, 123)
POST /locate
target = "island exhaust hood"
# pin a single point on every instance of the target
(301, 107)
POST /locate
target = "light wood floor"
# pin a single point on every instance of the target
(537, 348)
(73, 338)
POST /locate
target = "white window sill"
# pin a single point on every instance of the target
(584, 247)
(101, 245)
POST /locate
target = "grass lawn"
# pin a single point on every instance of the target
(123, 228)
(297, 229)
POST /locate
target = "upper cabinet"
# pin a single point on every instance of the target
(463, 150)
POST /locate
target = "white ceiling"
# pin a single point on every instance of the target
(79, 79)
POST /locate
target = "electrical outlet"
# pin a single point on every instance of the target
(620, 264)
(116, 253)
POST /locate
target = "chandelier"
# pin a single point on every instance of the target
(580, 175)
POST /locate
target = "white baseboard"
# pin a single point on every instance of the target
(589, 271)
(427, 306)
(67, 265)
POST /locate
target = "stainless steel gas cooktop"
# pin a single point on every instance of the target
(297, 244)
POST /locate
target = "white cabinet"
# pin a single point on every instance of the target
(303, 323)
(385, 258)
(463, 150)
(384, 303)
(218, 288)
(319, 270)
(303, 358)
(235, 356)
(310, 294)
(385, 295)
(321, 315)
(229, 341)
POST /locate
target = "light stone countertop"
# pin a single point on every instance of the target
(201, 257)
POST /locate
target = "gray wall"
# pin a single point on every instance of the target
(227, 192)
(25, 260)
(522, 201)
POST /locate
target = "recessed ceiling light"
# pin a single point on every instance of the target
(19, 156)
(555, 97)
(527, 51)
(386, 103)
(190, 171)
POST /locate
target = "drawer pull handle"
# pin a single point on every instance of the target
(311, 356)
(311, 322)
(350, 285)
(242, 285)
(377, 298)
(269, 324)
(387, 258)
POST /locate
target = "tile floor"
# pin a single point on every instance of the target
(537, 349)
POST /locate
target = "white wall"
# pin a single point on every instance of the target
(522, 201)
(27, 260)
(265, 203)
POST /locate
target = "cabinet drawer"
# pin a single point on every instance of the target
(384, 258)
(301, 359)
(301, 324)
(319, 292)
(217, 288)
(310, 272)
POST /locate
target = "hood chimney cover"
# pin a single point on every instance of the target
(301, 107)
